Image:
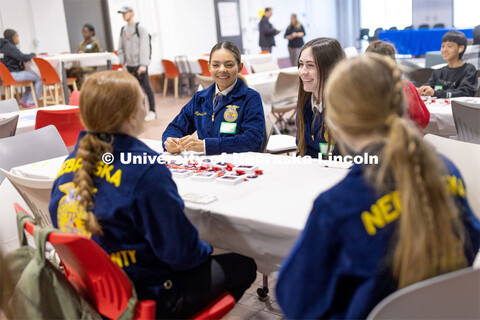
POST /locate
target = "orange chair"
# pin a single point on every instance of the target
(204, 65)
(74, 98)
(265, 52)
(50, 78)
(116, 67)
(244, 70)
(11, 85)
(101, 282)
(66, 121)
(171, 72)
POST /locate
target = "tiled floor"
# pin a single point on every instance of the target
(250, 306)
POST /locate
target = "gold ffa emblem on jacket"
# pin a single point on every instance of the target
(231, 113)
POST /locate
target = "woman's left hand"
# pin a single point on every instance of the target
(190, 143)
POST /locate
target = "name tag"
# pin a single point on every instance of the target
(228, 127)
(89, 46)
(323, 148)
(438, 87)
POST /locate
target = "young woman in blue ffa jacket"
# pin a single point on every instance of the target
(316, 60)
(384, 226)
(134, 212)
(228, 116)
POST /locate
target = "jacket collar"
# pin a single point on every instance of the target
(239, 90)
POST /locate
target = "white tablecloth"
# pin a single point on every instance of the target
(75, 59)
(26, 120)
(264, 82)
(441, 116)
(260, 218)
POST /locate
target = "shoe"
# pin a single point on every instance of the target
(151, 115)
(26, 105)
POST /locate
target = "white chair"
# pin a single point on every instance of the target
(467, 120)
(284, 99)
(29, 147)
(204, 81)
(454, 295)
(268, 133)
(265, 67)
(9, 105)
(281, 143)
(8, 127)
(466, 156)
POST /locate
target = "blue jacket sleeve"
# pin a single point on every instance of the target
(184, 123)
(13, 52)
(311, 268)
(251, 139)
(172, 237)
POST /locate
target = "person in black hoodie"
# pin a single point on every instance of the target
(13, 59)
(457, 79)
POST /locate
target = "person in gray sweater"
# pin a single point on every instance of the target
(134, 52)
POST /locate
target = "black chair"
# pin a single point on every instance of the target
(438, 25)
(408, 28)
(392, 28)
(185, 72)
(476, 35)
(364, 33)
(375, 35)
(420, 76)
(423, 26)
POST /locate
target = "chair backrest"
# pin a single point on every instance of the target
(439, 25)
(286, 87)
(183, 65)
(453, 295)
(170, 69)
(408, 28)
(244, 70)
(364, 33)
(476, 35)
(6, 76)
(204, 65)
(423, 26)
(265, 67)
(467, 121)
(66, 121)
(377, 31)
(392, 28)
(472, 55)
(265, 52)
(9, 105)
(29, 147)
(8, 127)
(268, 133)
(420, 76)
(47, 72)
(466, 157)
(204, 81)
(74, 98)
(93, 273)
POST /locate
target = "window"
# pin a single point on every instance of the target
(385, 14)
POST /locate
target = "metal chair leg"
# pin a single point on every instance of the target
(263, 291)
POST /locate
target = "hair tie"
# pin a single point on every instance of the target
(390, 120)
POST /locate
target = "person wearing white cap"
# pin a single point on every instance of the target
(134, 52)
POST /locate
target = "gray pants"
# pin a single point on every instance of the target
(29, 76)
(294, 55)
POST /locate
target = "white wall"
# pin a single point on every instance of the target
(40, 24)
(432, 12)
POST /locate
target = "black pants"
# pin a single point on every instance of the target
(196, 288)
(145, 83)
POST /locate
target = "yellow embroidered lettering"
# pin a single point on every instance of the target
(131, 254)
(115, 256)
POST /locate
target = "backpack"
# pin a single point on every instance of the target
(138, 35)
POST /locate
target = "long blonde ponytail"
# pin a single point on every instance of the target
(364, 95)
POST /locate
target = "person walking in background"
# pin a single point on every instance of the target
(267, 31)
(294, 34)
(88, 45)
(14, 59)
(134, 53)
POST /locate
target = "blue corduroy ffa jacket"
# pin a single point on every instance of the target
(141, 214)
(337, 268)
(242, 106)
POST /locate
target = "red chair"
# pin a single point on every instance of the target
(11, 85)
(171, 72)
(101, 282)
(116, 67)
(244, 70)
(66, 121)
(50, 78)
(204, 65)
(74, 98)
